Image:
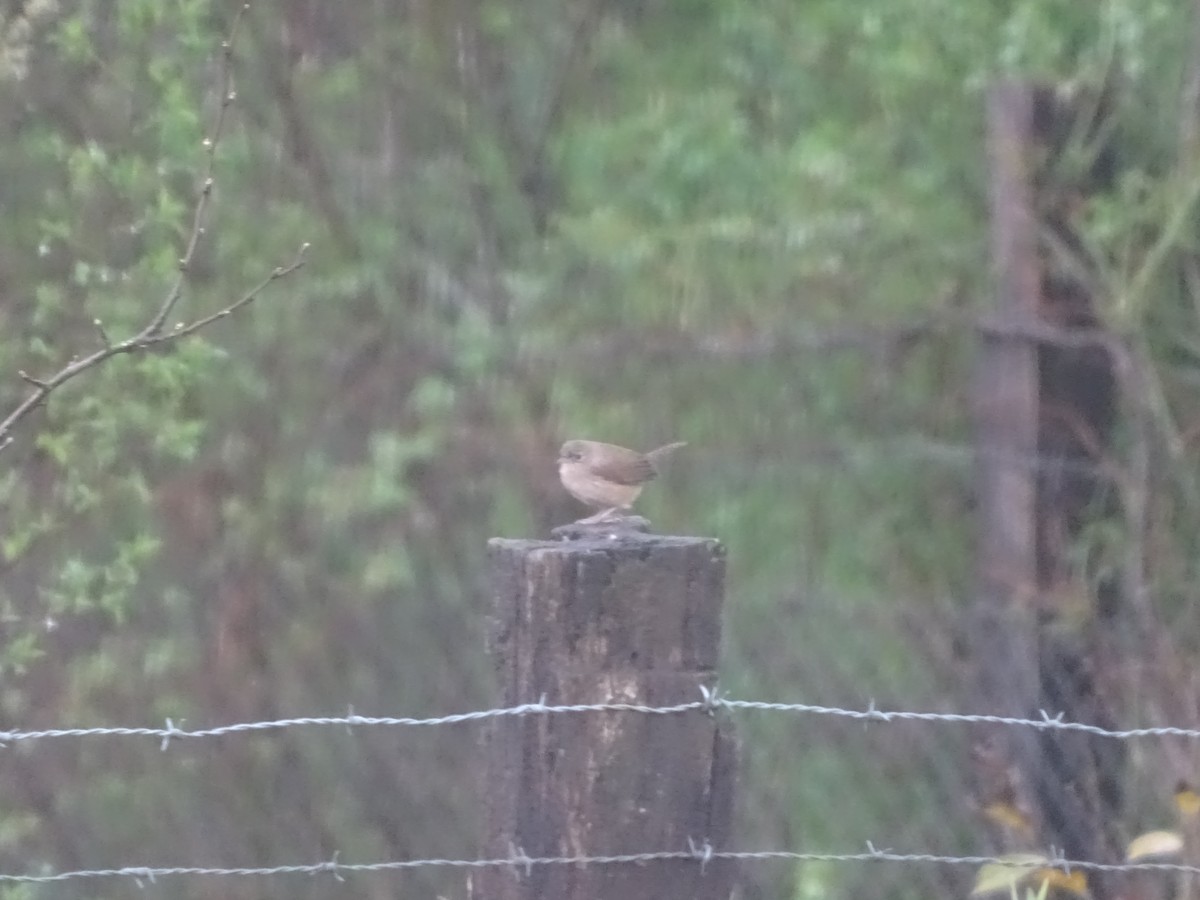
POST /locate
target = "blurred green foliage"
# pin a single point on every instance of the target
(530, 220)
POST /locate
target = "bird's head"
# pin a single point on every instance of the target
(572, 452)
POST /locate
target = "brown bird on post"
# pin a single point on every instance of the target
(606, 477)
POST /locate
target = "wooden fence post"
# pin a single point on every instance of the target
(619, 617)
(1046, 615)
(1004, 627)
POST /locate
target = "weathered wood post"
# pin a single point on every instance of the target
(615, 616)
(1004, 616)
(1046, 618)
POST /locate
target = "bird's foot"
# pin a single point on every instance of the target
(609, 523)
(605, 515)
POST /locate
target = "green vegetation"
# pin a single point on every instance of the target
(706, 220)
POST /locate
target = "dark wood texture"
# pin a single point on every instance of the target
(1004, 627)
(1081, 609)
(619, 618)
(1046, 617)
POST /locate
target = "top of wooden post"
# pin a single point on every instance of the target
(647, 599)
(621, 531)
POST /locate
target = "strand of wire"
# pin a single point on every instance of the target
(709, 702)
(870, 450)
(699, 852)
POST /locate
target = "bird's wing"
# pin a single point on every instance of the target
(623, 466)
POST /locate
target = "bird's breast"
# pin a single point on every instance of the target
(587, 487)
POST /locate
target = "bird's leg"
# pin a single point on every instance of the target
(603, 516)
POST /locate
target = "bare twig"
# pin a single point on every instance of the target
(246, 299)
(140, 341)
(204, 195)
(152, 333)
(1189, 106)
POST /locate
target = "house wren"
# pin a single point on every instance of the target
(607, 477)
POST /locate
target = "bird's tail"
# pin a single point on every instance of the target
(657, 456)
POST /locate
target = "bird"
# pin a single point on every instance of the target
(607, 477)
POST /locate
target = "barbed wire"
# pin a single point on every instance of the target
(810, 338)
(911, 448)
(915, 448)
(697, 851)
(710, 701)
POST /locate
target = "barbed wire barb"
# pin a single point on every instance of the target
(710, 699)
(332, 866)
(703, 852)
(517, 857)
(1059, 860)
(170, 732)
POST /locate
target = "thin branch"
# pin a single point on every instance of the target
(140, 341)
(204, 195)
(181, 331)
(152, 334)
(1189, 105)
